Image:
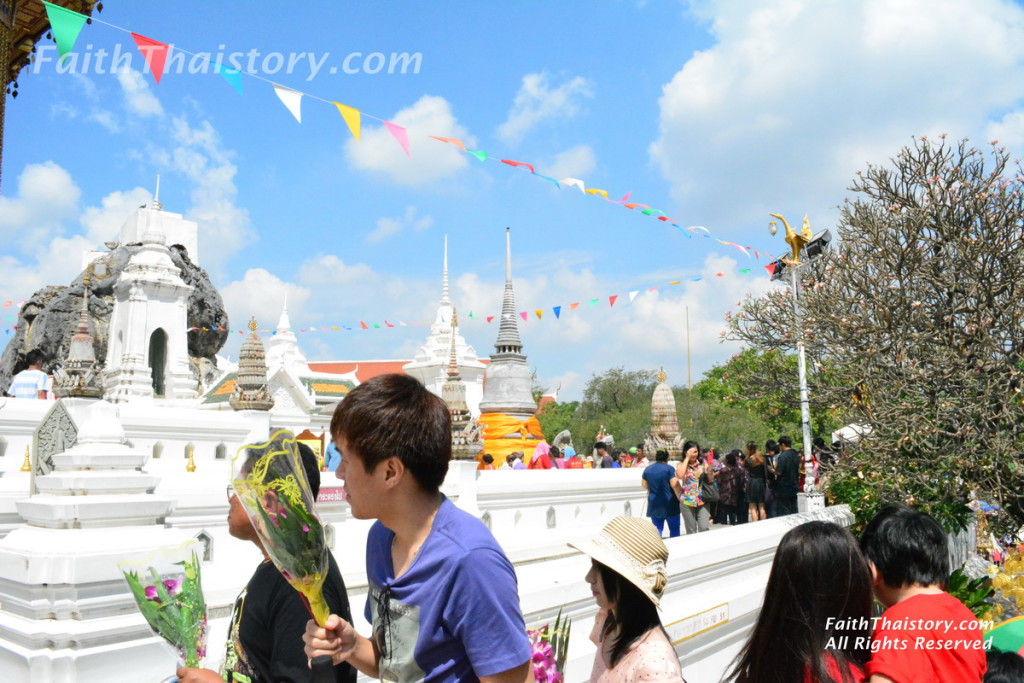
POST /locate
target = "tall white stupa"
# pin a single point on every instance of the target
(430, 365)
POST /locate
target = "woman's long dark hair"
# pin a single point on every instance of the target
(633, 612)
(818, 597)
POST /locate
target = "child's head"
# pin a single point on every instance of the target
(907, 548)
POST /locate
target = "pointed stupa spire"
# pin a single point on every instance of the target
(453, 361)
(445, 301)
(283, 322)
(508, 332)
(508, 380)
(156, 196)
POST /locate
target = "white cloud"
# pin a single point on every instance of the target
(538, 100)
(429, 160)
(389, 227)
(262, 294)
(796, 96)
(575, 162)
(138, 98)
(200, 156)
(326, 270)
(46, 196)
(103, 223)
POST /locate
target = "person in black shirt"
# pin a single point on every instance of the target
(788, 468)
(269, 617)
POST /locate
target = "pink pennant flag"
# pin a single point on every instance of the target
(155, 54)
(523, 315)
(611, 300)
(399, 134)
(490, 318)
(291, 99)
(623, 200)
(388, 324)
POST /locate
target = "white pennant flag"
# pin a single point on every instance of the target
(574, 181)
(291, 99)
(632, 295)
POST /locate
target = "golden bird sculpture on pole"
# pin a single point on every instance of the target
(796, 240)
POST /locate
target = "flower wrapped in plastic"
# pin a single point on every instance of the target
(271, 484)
(168, 589)
(549, 646)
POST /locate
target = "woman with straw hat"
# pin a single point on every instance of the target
(627, 579)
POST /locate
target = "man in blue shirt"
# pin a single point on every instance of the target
(662, 504)
(443, 599)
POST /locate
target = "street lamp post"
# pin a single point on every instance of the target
(803, 242)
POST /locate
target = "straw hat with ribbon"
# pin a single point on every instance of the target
(631, 547)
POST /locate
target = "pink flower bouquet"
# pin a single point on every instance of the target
(549, 646)
(168, 591)
(271, 484)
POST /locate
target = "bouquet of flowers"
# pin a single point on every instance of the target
(168, 590)
(550, 645)
(271, 484)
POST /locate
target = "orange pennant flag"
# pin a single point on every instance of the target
(573, 307)
(352, 117)
(453, 141)
(155, 54)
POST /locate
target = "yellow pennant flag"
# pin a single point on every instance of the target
(352, 118)
(539, 312)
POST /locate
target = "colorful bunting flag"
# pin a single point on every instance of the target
(593, 190)
(574, 181)
(517, 164)
(478, 153)
(155, 54)
(558, 311)
(399, 134)
(353, 119)
(453, 141)
(611, 300)
(490, 318)
(66, 25)
(291, 99)
(523, 315)
(232, 76)
(557, 184)
(593, 302)
(632, 295)
(573, 307)
(539, 312)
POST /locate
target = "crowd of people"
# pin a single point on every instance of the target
(443, 601)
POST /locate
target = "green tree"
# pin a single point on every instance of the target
(764, 384)
(621, 401)
(918, 317)
(555, 417)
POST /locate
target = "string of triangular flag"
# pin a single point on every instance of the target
(539, 314)
(66, 25)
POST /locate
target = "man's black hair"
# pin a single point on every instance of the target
(785, 441)
(554, 452)
(639, 446)
(818, 442)
(33, 357)
(312, 467)
(771, 447)
(488, 458)
(600, 446)
(907, 547)
(661, 455)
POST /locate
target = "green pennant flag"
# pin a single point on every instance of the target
(593, 302)
(66, 26)
(745, 270)
(478, 153)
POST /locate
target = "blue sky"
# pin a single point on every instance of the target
(714, 112)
